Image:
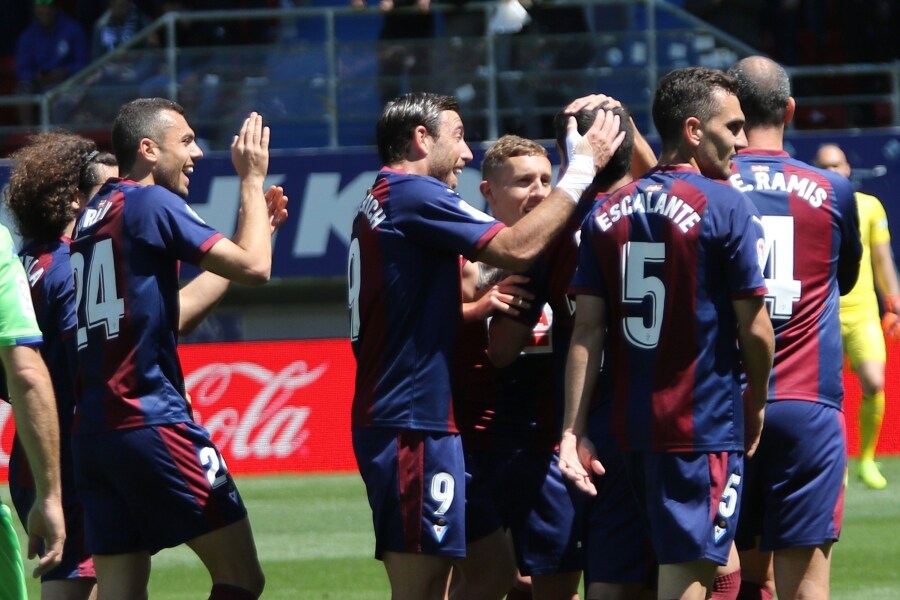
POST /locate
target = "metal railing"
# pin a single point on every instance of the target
(321, 79)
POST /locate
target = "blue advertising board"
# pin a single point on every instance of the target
(326, 187)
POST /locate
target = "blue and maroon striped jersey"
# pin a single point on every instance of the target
(125, 255)
(812, 250)
(53, 295)
(404, 298)
(522, 403)
(669, 253)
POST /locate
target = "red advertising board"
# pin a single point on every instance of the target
(284, 407)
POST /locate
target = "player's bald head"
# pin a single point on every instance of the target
(764, 90)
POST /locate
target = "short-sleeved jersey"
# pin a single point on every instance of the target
(669, 253)
(18, 324)
(53, 296)
(522, 403)
(404, 298)
(812, 238)
(873, 231)
(125, 254)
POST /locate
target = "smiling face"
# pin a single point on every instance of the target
(515, 188)
(177, 151)
(721, 136)
(449, 152)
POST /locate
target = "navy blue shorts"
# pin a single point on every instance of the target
(525, 492)
(416, 484)
(148, 488)
(691, 500)
(618, 548)
(794, 490)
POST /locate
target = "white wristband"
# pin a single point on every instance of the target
(578, 176)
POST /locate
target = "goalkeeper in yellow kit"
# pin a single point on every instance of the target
(860, 327)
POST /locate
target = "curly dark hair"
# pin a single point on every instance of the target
(45, 179)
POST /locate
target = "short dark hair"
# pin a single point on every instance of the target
(508, 146)
(45, 178)
(763, 88)
(91, 174)
(620, 162)
(139, 119)
(402, 115)
(685, 93)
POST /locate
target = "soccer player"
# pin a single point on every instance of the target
(149, 477)
(34, 411)
(860, 325)
(506, 407)
(51, 179)
(794, 485)
(619, 561)
(404, 302)
(667, 275)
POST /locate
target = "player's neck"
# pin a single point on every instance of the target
(766, 138)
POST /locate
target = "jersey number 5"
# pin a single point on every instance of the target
(638, 286)
(102, 304)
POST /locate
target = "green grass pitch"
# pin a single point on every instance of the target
(315, 541)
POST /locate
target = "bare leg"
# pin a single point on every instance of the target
(803, 573)
(488, 570)
(122, 575)
(417, 576)
(229, 555)
(686, 581)
(72, 589)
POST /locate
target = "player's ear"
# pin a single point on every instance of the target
(485, 189)
(789, 110)
(421, 142)
(693, 132)
(148, 149)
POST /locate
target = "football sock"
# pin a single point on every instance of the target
(871, 414)
(727, 587)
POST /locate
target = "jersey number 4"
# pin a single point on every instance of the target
(102, 304)
(777, 264)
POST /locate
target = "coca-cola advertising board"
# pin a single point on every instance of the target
(270, 407)
(284, 407)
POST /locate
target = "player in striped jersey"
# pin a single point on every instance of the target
(668, 272)
(793, 494)
(404, 301)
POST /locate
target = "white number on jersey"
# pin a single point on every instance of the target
(354, 271)
(103, 306)
(777, 264)
(636, 286)
(443, 487)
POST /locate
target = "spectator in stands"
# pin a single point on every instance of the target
(50, 50)
(121, 22)
(401, 54)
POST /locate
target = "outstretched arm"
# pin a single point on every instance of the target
(514, 248)
(203, 293)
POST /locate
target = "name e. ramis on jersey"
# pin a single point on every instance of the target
(765, 180)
